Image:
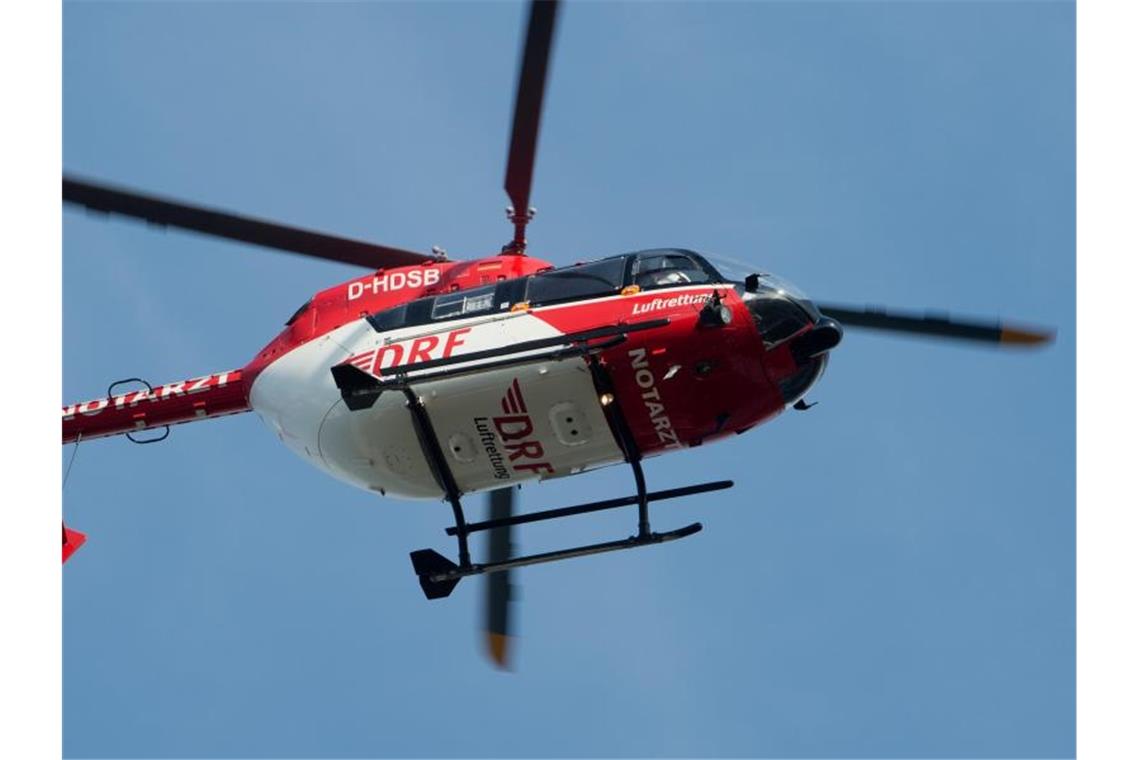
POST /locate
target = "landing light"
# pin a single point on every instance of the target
(715, 313)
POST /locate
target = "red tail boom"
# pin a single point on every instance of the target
(215, 395)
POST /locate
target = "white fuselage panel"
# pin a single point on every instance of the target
(495, 427)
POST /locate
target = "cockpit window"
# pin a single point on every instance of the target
(657, 268)
(595, 279)
(794, 387)
(667, 269)
(777, 317)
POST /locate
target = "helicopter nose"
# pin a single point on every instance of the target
(825, 335)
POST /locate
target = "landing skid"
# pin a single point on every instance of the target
(438, 575)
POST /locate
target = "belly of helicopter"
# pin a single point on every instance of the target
(494, 428)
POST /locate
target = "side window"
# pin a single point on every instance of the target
(390, 319)
(416, 312)
(463, 303)
(665, 270)
(777, 319)
(598, 278)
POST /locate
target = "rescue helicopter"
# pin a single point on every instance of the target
(434, 379)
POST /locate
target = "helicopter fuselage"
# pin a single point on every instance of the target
(532, 358)
(678, 385)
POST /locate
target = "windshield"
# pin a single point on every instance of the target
(732, 269)
(782, 287)
(662, 269)
(771, 286)
(739, 271)
(777, 316)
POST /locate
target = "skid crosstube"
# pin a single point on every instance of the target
(594, 506)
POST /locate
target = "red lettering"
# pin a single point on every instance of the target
(422, 348)
(396, 351)
(520, 423)
(528, 449)
(454, 340)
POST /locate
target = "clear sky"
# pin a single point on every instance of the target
(893, 574)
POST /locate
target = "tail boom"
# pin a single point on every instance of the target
(215, 395)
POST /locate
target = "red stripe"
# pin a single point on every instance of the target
(510, 399)
(518, 395)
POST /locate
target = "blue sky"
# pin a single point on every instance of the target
(893, 574)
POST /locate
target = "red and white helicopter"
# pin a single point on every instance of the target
(428, 378)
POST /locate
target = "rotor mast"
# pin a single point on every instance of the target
(528, 114)
(517, 246)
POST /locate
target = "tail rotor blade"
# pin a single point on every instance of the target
(936, 325)
(497, 623)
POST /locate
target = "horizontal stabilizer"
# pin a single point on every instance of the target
(428, 562)
(72, 540)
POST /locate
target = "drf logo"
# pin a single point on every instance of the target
(515, 429)
(422, 349)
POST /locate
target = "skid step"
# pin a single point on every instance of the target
(439, 575)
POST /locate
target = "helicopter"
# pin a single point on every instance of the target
(432, 379)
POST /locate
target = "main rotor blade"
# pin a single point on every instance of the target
(496, 622)
(936, 325)
(168, 212)
(528, 103)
